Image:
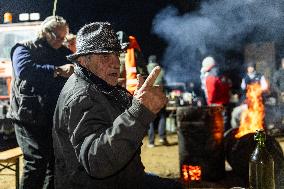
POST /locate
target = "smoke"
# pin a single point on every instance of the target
(216, 27)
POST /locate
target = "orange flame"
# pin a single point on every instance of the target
(191, 173)
(218, 128)
(252, 118)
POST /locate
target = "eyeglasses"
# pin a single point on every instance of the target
(57, 38)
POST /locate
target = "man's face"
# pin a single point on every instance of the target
(56, 38)
(250, 69)
(105, 66)
(72, 45)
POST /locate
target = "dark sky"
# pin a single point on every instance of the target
(132, 16)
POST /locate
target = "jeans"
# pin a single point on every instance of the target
(36, 144)
(161, 128)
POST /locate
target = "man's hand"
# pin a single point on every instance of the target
(65, 70)
(152, 97)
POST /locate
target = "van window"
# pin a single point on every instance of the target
(9, 38)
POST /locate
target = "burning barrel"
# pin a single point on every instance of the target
(200, 136)
(239, 150)
(239, 143)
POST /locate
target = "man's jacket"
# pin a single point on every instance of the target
(96, 142)
(35, 90)
(217, 88)
(278, 80)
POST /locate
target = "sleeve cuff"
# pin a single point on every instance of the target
(51, 69)
(140, 112)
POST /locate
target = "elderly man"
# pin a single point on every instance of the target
(40, 70)
(98, 125)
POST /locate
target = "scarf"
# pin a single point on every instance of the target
(118, 95)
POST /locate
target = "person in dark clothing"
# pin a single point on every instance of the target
(98, 125)
(278, 83)
(161, 117)
(70, 42)
(251, 77)
(40, 70)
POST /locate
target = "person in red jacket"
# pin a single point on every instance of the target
(216, 87)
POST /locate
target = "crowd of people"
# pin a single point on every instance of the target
(79, 126)
(217, 88)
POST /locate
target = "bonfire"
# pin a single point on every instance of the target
(253, 117)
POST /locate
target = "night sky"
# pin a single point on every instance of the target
(188, 30)
(133, 17)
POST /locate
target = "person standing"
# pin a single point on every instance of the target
(70, 42)
(98, 125)
(278, 83)
(161, 117)
(134, 62)
(253, 77)
(40, 69)
(216, 87)
(250, 77)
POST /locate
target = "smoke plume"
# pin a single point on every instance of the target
(215, 27)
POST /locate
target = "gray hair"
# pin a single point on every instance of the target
(50, 24)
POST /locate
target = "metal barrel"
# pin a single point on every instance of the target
(200, 137)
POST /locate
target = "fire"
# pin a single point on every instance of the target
(252, 118)
(191, 173)
(218, 129)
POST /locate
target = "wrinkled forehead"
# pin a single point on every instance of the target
(110, 54)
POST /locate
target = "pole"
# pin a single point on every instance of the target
(54, 7)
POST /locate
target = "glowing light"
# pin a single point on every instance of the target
(252, 118)
(8, 18)
(191, 173)
(218, 127)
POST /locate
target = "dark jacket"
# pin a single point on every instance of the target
(96, 142)
(255, 79)
(278, 81)
(34, 89)
(248, 80)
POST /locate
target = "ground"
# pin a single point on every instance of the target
(160, 160)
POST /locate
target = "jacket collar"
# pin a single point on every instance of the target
(117, 94)
(92, 78)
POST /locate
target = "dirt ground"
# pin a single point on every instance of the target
(160, 160)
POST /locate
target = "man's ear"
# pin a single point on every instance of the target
(82, 61)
